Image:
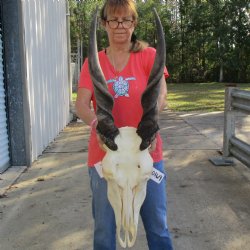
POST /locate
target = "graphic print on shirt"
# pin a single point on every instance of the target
(121, 86)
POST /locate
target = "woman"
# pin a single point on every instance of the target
(130, 60)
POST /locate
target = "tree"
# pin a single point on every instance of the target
(207, 40)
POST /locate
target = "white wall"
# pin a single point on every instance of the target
(45, 42)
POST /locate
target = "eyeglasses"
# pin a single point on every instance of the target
(126, 24)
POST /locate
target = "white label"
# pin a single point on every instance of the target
(98, 167)
(157, 176)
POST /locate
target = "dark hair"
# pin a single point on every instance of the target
(111, 6)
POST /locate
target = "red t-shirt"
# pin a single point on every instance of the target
(126, 89)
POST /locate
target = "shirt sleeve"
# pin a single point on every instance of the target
(85, 79)
(148, 56)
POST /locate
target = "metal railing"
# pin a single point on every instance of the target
(236, 101)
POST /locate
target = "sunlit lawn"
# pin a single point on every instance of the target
(74, 96)
(206, 97)
(189, 97)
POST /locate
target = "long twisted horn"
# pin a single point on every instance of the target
(148, 125)
(104, 100)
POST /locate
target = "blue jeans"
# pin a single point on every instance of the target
(153, 213)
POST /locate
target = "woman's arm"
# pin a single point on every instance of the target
(83, 108)
(84, 112)
(161, 104)
(162, 98)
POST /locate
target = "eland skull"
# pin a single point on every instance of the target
(127, 165)
(127, 171)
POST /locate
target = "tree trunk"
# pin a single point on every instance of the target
(221, 73)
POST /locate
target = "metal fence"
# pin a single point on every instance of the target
(236, 101)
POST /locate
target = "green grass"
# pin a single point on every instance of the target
(189, 97)
(206, 97)
(74, 96)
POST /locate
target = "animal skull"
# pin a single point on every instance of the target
(127, 164)
(127, 171)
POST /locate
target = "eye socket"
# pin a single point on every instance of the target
(139, 166)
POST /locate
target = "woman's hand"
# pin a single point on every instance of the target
(152, 146)
(100, 142)
(93, 125)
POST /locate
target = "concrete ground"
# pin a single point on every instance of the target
(48, 206)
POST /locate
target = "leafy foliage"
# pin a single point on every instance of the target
(206, 40)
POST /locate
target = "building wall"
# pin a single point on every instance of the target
(17, 108)
(45, 52)
(4, 140)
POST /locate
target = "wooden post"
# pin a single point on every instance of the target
(229, 121)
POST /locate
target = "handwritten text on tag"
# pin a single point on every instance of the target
(157, 176)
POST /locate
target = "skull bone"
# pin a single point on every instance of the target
(127, 171)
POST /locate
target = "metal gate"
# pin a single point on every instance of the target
(4, 143)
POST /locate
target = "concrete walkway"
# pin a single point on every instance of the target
(48, 207)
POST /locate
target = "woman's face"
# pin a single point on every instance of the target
(123, 32)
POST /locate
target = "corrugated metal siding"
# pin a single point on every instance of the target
(4, 143)
(47, 70)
